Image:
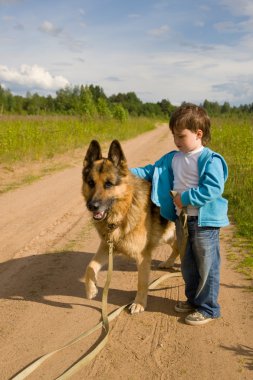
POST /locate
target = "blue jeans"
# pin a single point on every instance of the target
(201, 268)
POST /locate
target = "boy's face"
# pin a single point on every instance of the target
(187, 141)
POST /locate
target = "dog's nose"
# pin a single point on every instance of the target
(93, 205)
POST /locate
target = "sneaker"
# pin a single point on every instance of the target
(184, 307)
(197, 318)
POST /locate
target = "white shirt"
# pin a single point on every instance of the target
(185, 170)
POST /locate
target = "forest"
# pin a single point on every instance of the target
(91, 101)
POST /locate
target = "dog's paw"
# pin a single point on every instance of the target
(136, 308)
(91, 290)
(166, 264)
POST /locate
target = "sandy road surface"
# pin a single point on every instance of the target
(46, 241)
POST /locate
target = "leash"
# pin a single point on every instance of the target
(105, 322)
(23, 374)
(181, 229)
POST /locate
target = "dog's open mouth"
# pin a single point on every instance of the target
(99, 215)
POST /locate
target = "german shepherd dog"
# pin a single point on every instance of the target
(121, 203)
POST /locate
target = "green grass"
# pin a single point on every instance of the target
(38, 137)
(233, 138)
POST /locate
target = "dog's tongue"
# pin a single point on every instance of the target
(98, 215)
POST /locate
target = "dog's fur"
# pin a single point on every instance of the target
(121, 203)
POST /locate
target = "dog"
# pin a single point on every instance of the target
(120, 204)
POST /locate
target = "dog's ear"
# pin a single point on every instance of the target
(116, 155)
(94, 153)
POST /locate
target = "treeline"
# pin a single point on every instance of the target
(215, 109)
(91, 101)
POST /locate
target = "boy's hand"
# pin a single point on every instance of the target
(177, 201)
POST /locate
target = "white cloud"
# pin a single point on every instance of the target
(199, 24)
(71, 43)
(34, 77)
(226, 26)
(238, 90)
(241, 88)
(49, 28)
(113, 79)
(205, 8)
(7, 18)
(158, 32)
(19, 26)
(242, 7)
(133, 15)
(188, 74)
(10, 1)
(82, 11)
(232, 27)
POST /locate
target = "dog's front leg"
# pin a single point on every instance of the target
(100, 259)
(140, 302)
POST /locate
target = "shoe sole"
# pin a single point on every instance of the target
(198, 323)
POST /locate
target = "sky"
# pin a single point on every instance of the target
(179, 50)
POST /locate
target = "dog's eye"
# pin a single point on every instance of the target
(91, 183)
(108, 185)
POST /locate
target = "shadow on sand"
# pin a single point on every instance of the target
(37, 278)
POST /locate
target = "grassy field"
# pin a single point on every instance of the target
(38, 137)
(233, 138)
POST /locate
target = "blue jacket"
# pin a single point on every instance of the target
(213, 173)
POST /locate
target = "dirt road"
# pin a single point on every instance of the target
(46, 242)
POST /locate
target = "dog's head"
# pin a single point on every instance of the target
(103, 178)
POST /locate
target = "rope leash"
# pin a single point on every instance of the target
(181, 229)
(105, 323)
(23, 374)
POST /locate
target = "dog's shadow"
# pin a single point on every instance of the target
(49, 277)
(44, 278)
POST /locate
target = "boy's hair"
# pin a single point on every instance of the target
(192, 117)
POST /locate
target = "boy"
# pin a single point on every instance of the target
(198, 175)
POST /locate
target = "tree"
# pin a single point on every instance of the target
(151, 110)
(103, 108)
(119, 112)
(129, 101)
(87, 105)
(225, 108)
(50, 104)
(18, 104)
(64, 101)
(166, 107)
(97, 93)
(212, 108)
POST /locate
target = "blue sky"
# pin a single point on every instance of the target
(180, 50)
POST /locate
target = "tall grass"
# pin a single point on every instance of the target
(233, 138)
(36, 137)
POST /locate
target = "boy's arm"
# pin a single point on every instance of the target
(146, 172)
(210, 188)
